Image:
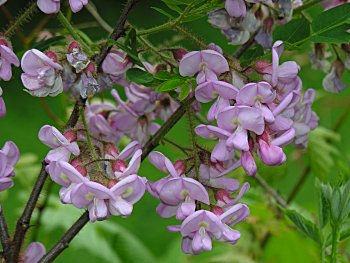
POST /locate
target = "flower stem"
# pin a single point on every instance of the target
(335, 237)
(193, 139)
(67, 25)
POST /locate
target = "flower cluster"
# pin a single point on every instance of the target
(9, 155)
(53, 6)
(106, 184)
(185, 195)
(7, 59)
(240, 19)
(259, 117)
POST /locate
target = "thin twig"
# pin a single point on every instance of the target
(298, 185)
(271, 191)
(93, 11)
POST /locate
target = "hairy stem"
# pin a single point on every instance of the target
(67, 25)
(193, 140)
(4, 233)
(21, 19)
(240, 51)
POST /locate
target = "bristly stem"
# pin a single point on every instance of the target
(193, 140)
(67, 25)
(21, 19)
(335, 237)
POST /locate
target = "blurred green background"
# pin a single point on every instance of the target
(143, 236)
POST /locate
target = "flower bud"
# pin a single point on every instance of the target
(111, 150)
(72, 46)
(262, 67)
(119, 166)
(180, 166)
(178, 53)
(52, 55)
(78, 165)
(112, 183)
(248, 163)
(71, 136)
(223, 196)
(217, 210)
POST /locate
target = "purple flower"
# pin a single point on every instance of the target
(53, 6)
(67, 176)
(77, 58)
(236, 8)
(257, 95)
(332, 81)
(102, 201)
(9, 155)
(208, 63)
(328, 4)
(134, 120)
(41, 73)
(62, 145)
(238, 120)
(34, 252)
(209, 90)
(116, 63)
(283, 73)
(7, 58)
(2, 105)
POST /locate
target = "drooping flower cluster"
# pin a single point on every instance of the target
(260, 117)
(105, 186)
(7, 59)
(185, 195)
(9, 155)
(240, 19)
(53, 6)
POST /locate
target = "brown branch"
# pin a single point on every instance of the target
(23, 223)
(117, 32)
(4, 233)
(240, 51)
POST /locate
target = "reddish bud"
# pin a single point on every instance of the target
(160, 67)
(71, 136)
(78, 165)
(262, 67)
(90, 68)
(72, 46)
(111, 150)
(3, 42)
(119, 166)
(179, 53)
(222, 195)
(112, 183)
(52, 55)
(180, 166)
(217, 210)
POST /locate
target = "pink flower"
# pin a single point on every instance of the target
(53, 6)
(34, 252)
(2, 105)
(7, 58)
(41, 73)
(9, 155)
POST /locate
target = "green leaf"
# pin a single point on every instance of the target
(185, 90)
(304, 225)
(170, 85)
(139, 76)
(252, 54)
(133, 55)
(336, 206)
(46, 43)
(163, 75)
(159, 10)
(344, 234)
(130, 40)
(331, 25)
(323, 204)
(321, 150)
(294, 31)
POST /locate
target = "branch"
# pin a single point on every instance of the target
(271, 191)
(240, 51)
(157, 137)
(117, 32)
(4, 233)
(24, 221)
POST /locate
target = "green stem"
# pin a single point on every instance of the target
(182, 149)
(335, 237)
(67, 25)
(21, 19)
(156, 29)
(190, 36)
